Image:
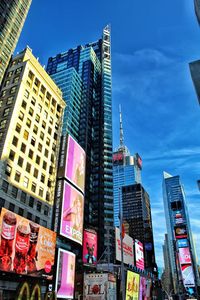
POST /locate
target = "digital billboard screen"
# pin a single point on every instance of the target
(26, 247)
(90, 247)
(139, 255)
(132, 286)
(182, 243)
(128, 254)
(184, 256)
(180, 232)
(187, 275)
(65, 275)
(142, 288)
(75, 164)
(72, 214)
(95, 286)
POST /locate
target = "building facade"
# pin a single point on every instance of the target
(167, 282)
(137, 213)
(180, 244)
(195, 74)
(31, 110)
(84, 75)
(12, 18)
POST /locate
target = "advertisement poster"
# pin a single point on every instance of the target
(90, 247)
(184, 256)
(132, 286)
(112, 287)
(127, 247)
(95, 286)
(139, 255)
(75, 164)
(26, 247)
(72, 214)
(142, 288)
(180, 232)
(65, 275)
(182, 243)
(188, 275)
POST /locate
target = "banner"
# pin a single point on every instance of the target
(89, 247)
(184, 256)
(65, 274)
(139, 255)
(72, 214)
(127, 248)
(95, 286)
(26, 247)
(132, 286)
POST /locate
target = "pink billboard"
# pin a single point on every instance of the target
(139, 255)
(89, 247)
(184, 256)
(142, 288)
(75, 164)
(65, 274)
(72, 214)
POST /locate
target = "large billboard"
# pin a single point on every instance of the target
(98, 286)
(184, 256)
(142, 288)
(72, 162)
(139, 255)
(65, 275)
(187, 275)
(180, 231)
(128, 255)
(89, 247)
(26, 247)
(72, 213)
(132, 286)
(182, 243)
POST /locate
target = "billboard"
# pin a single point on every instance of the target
(142, 288)
(132, 286)
(187, 275)
(184, 256)
(65, 274)
(99, 286)
(118, 158)
(180, 232)
(139, 255)
(72, 214)
(138, 161)
(26, 247)
(178, 218)
(182, 243)
(127, 248)
(89, 247)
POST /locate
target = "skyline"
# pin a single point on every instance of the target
(150, 67)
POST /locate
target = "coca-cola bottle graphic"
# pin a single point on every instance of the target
(7, 237)
(32, 252)
(21, 248)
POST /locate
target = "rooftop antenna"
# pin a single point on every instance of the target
(121, 128)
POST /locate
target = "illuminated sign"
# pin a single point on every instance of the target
(26, 247)
(139, 161)
(72, 213)
(89, 247)
(187, 275)
(139, 255)
(127, 248)
(184, 256)
(142, 288)
(132, 286)
(180, 232)
(65, 275)
(118, 157)
(182, 243)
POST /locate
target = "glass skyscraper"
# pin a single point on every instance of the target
(180, 245)
(12, 17)
(84, 76)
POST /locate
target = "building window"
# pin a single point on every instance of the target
(8, 170)
(33, 187)
(40, 147)
(11, 207)
(18, 70)
(43, 124)
(33, 101)
(10, 100)
(26, 181)
(46, 210)
(43, 89)
(30, 75)
(37, 118)
(42, 178)
(30, 154)
(37, 220)
(26, 94)
(15, 141)
(37, 160)
(12, 155)
(35, 129)
(18, 127)
(5, 185)
(28, 167)
(33, 141)
(23, 197)
(21, 115)
(49, 130)
(48, 141)
(24, 104)
(49, 183)
(17, 176)
(46, 153)
(20, 161)
(45, 115)
(26, 134)
(41, 192)
(48, 196)
(3, 124)
(30, 111)
(42, 135)
(51, 120)
(20, 211)
(39, 109)
(39, 206)
(29, 216)
(31, 201)
(14, 192)
(23, 148)
(6, 112)
(35, 174)
(44, 165)
(13, 89)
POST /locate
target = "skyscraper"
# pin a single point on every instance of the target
(167, 281)
(197, 9)
(137, 213)
(180, 245)
(31, 110)
(13, 15)
(126, 171)
(84, 75)
(195, 74)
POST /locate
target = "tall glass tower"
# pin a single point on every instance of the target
(84, 76)
(126, 171)
(13, 15)
(180, 244)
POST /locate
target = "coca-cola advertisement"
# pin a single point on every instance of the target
(26, 247)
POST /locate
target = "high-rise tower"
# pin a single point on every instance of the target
(180, 245)
(84, 75)
(126, 171)
(13, 14)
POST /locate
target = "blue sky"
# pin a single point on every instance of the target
(152, 44)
